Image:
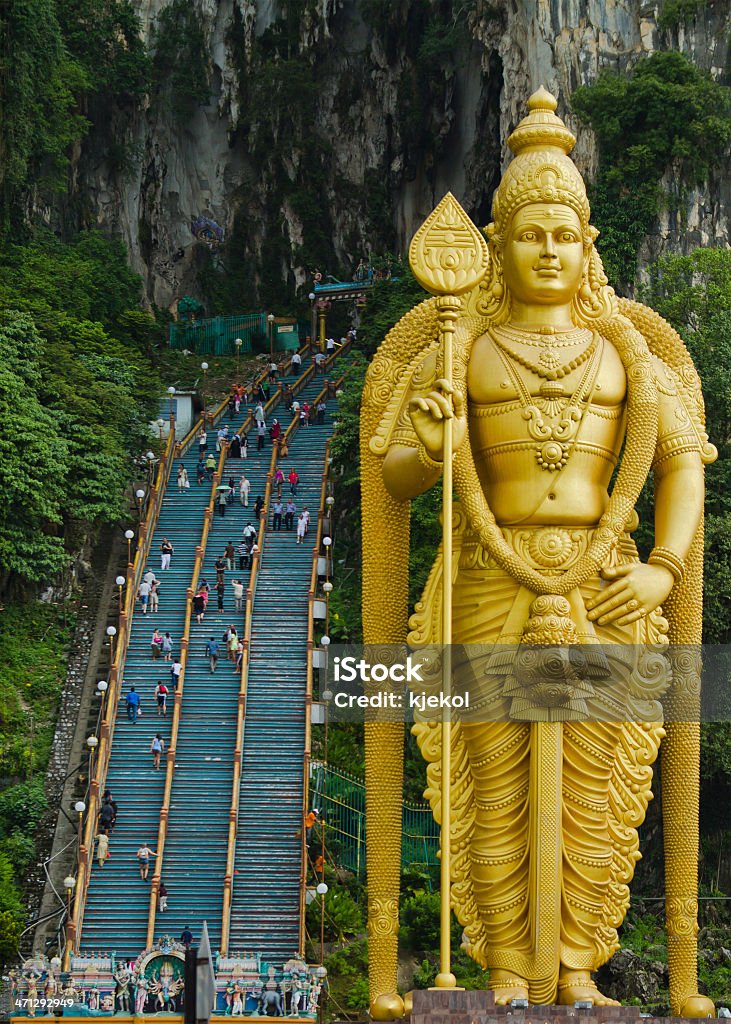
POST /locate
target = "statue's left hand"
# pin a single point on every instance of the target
(637, 590)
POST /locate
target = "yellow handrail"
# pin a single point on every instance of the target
(308, 696)
(200, 552)
(241, 712)
(116, 671)
(214, 417)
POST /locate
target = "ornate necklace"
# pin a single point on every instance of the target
(549, 362)
(555, 434)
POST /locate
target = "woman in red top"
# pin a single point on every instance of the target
(293, 481)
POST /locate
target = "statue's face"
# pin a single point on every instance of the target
(543, 257)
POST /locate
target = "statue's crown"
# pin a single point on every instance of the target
(541, 128)
(541, 170)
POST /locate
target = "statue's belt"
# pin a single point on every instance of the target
(548, 549)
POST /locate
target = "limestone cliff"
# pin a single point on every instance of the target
(333, 126)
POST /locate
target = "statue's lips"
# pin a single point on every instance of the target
(547, 271)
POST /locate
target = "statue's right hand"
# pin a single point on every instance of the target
(428, 416)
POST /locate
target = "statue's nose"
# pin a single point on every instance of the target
(548, 249)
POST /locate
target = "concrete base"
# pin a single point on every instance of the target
(459, 1007)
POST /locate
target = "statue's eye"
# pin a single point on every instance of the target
(528, 236)
(568, 236)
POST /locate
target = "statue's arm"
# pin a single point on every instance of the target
(405, 475)
(635, 589)
(678, 468)
(413, 462)
(678, 502)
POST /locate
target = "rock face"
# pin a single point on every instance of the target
(334, 126)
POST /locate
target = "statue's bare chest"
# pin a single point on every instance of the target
(494, 378)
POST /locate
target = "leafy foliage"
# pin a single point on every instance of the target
(40, 120)
(103, 37)
(180, 68)
(666, 113)
(75, 400)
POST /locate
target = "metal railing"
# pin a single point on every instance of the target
(213, 417)
(116, 673)
(200, 552)
(341, 799)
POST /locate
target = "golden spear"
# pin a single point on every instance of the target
(448, 257)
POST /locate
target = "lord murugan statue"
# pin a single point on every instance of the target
(561, 399)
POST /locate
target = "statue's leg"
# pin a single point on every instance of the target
(499, 754)
(384, 750)
(589, 751)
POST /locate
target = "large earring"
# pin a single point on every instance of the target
(492, 299)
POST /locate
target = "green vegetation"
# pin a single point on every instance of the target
(180, 66)
(76, 395)
(66, 62)
(34, 646)
(674, 13)
(667, 113)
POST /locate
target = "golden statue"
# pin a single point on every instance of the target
(549, 379)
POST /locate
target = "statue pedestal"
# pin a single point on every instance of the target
(433, 1006)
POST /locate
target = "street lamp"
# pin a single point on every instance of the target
(111, 633)
(313, 315)
(101, 688)
(270, 323)
(171, 392)
(92, 743)
(69, 884)
(204, 367)
(238, 343)
(160, 425)
(120, 581)
(80, 807)
(151, 460)
(129, 534)
(139, 495)
(327, 541)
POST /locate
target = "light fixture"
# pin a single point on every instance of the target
(322, 888)
(204, 367)
(121, 580)
(69, 882)
(327, 696)
(325, 641)
(270, 318)
(327, 541)
(102, 686)
(92, 742)
(339, 393)
(311, 296)
(55, 962)
(79, 806)
(327, 587)
(111, 630)
(150, 456)
(161, 422)
(139, 494)
(321, 971)
(129, 534)
(330, 500)
(238, 343)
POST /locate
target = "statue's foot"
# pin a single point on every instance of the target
(698, 1006)
(578, 985)
(506, 987)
